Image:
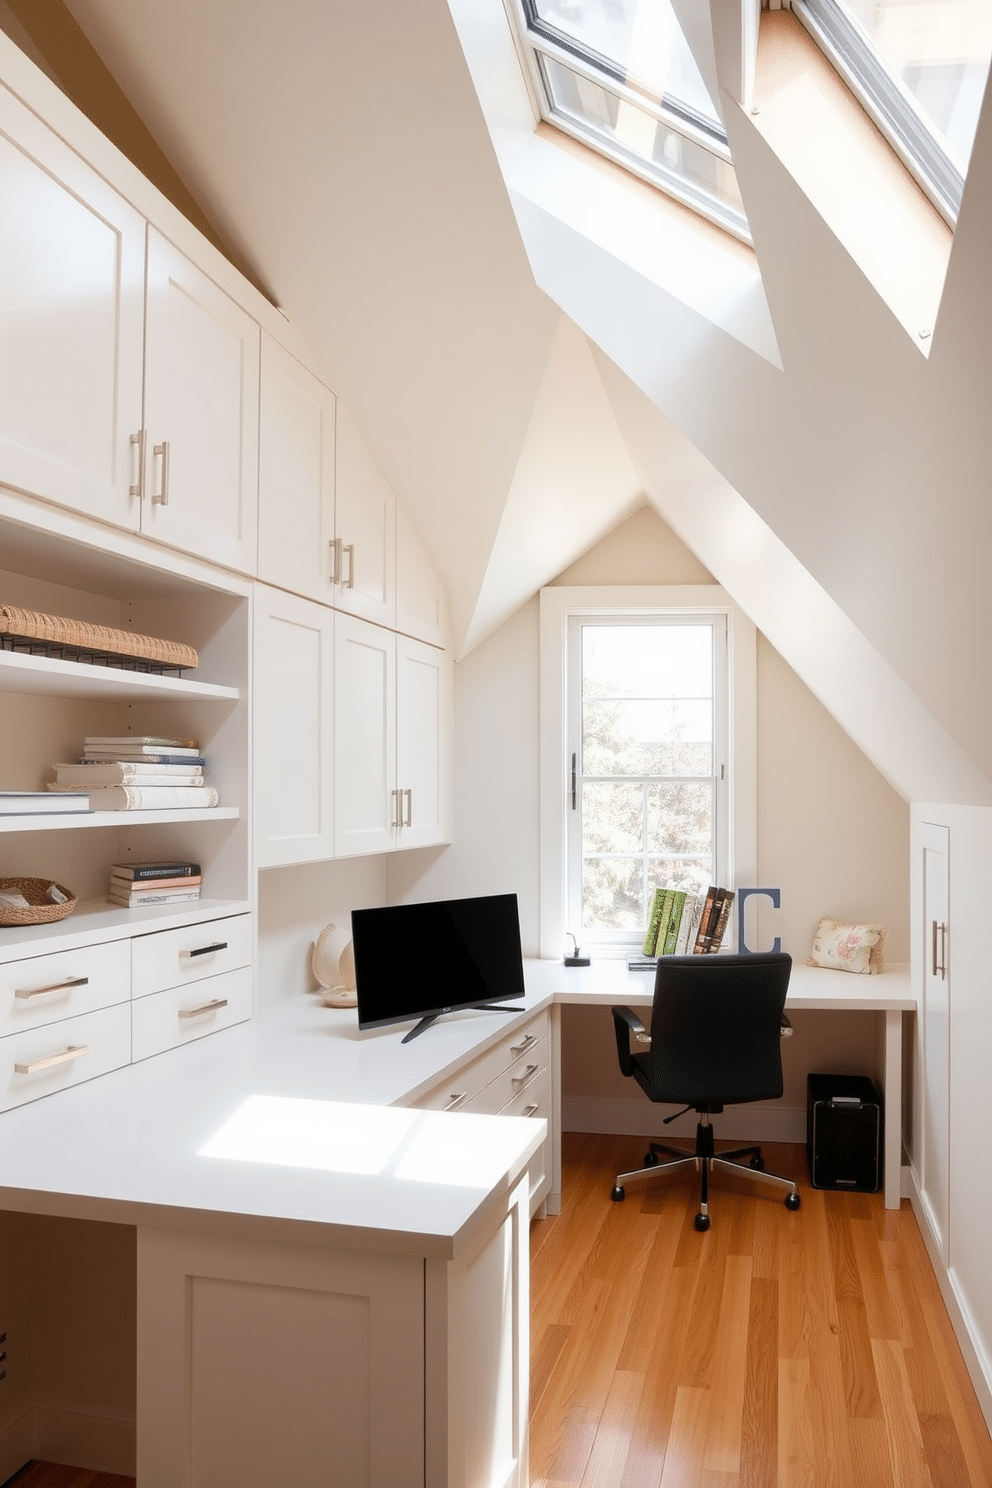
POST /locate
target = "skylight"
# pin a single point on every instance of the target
(618, 75)
(920, 68)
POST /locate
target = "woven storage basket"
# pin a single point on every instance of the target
(76, 635)
(40, 908)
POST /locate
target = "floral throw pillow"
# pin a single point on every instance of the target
(841, 947)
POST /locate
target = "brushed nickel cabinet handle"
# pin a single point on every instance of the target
(397, 820)
(141, 441)
(407, 820)
(335, 544)
(48, 1061)
(27, 992)
(162, 499)
(522, 1078)
(529, 1110)
(518, 1049)
(205, 1007)
(938, 968)
(349, 582)
(455, 1100)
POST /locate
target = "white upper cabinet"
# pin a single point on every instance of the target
(365, 531)
(200, 486)
(71, 307)
(423, 689)
(295, 477)
(421, 601)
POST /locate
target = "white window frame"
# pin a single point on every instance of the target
(558, 605)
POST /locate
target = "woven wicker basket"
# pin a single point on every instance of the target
(40, 909)
(56, 630)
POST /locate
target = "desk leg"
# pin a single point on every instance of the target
(893, 1108)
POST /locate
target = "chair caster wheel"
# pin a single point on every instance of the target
(650, 1159)
(618, 1193)
(792, 1201)
(702, 1221)
(758, 1164)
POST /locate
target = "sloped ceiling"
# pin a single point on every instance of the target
(377, 169)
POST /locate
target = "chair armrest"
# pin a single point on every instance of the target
(625, 1023)
(785, 1027)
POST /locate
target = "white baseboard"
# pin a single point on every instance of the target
(58, 1433)
(976, 1360)
(750, 1123)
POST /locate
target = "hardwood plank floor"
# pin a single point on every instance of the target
(778, 1350)
(807, 1350)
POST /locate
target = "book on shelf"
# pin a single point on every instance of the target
(131, 886)
(674, 923)
(123, 772)
(654, 915)
(163, 896)
(714, 919)
(166, 868)
(133, 741)
(152, 797)
(690, 924)
(33, 803)
(705, 917)
(121, 757)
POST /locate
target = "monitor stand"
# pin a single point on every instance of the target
(478, 1007)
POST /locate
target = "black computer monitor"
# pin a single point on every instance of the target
(417, 961)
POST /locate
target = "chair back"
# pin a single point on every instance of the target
(716, 1028)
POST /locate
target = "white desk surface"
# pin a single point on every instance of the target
(608, 981)
(309, 1099)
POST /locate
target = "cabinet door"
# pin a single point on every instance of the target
(935, 1033)
(365, 529)
(293, 756)
(422, 692)
(366, 805)
(421, 602)
(201, 413)
(71, 309)
(295, 477)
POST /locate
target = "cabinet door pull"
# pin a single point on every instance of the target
(518, 1049)
(349, 582)
(47, 1061)
(162, 499)
(525, 1075)
(335, 544)
(455, 1100)
(26, 992)
(207, 950)
(205, 1007)
(938, 968)
(397, 820)
(407, 820)
(529, 1110)
(141, 440)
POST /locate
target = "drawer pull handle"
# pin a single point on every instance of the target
(207, 950)
(518, 1049)
(162, 499)
(525, 1075)
(529, 1110)
(455, 1100)
(205, 1007)
(26, 992)
(47, 1061)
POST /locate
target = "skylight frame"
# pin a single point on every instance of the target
(887, 100)
(536, 39)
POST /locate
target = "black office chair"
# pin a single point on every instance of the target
(716, 1028)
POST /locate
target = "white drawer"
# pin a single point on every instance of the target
(171, 958)
(514, 1080)
(44, 989)
(164, 1020)
(39, 1061)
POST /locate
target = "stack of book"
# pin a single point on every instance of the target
(138, 773)
(135, 884)
(683, 924)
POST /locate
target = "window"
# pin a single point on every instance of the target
(618, 75)
(647, 704)
(920, 69)
(647, 749)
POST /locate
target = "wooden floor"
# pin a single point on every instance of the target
(777, 1350)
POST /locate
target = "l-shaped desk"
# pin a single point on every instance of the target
(272, 1184)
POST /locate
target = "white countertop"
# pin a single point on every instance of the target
(281, 1126)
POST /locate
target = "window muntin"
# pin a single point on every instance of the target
(647, 728)
(618, 75)
(920, 67)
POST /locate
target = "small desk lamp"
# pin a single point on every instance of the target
(575, 959)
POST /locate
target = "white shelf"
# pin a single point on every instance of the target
(42, 674)
(65, 820)
(94, 921)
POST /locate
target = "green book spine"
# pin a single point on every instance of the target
(651, 937)
(672, 936)
(664, 921)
